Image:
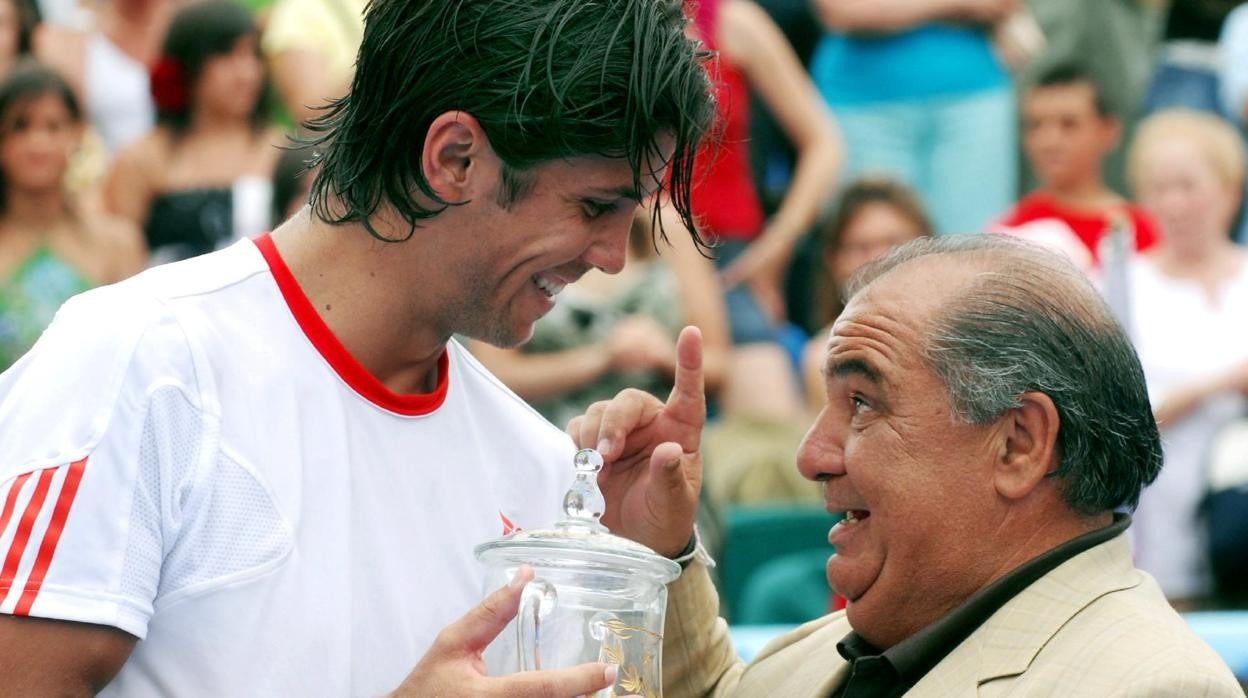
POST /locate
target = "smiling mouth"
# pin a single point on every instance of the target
(550, 287)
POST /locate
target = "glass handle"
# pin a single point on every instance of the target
(537, 602)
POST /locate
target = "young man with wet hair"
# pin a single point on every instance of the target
(263, 471)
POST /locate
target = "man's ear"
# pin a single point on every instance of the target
(1028, 447)
(458, 160)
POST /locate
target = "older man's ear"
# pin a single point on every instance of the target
(1028, 446)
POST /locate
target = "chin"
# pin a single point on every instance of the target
(507, 337)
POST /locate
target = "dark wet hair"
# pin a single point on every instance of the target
(26, 82)
(199, 32)
(288, 179)
(546, 79)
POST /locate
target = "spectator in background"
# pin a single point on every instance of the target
(203, 177)
(1233, 78)
(17, 22)
(754, 252)
(1233, 83)
(311, 47)
(920, 94)
(49, 248)
(1068, 131)
(1190, 301)
(1115, 41)
(1187, 74)
(873, 216)
(108, 64)
(615, 331)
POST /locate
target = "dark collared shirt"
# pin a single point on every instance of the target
(887, 674)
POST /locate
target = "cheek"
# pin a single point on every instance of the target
(11, 150)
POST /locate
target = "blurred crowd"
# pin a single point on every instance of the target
(136, 132)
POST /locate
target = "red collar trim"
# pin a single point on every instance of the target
(344, 364)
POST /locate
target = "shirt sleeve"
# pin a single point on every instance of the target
(101, 430)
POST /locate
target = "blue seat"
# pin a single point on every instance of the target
(790, 589)
(753, 536)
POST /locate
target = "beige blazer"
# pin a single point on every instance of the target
(1094, 626)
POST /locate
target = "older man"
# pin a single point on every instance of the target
(986, 418)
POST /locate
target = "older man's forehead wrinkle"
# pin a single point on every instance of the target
(869, 343)
(882, 333)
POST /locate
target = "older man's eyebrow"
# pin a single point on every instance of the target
(853, 367)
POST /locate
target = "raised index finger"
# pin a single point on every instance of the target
(687, 401)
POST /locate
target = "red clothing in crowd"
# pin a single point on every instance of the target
(1088, 226)
(725, 200)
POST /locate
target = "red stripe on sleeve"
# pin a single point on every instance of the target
(11, 500)
(24, 526)
(50, 538)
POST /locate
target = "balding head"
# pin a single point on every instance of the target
(1014, 318)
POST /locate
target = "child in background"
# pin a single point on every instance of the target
(1068, 131)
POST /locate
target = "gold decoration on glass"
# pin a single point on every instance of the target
(633, 650)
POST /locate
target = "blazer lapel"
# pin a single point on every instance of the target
(1010, 639)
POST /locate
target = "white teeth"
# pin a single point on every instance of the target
(851, 517)
(549, 287)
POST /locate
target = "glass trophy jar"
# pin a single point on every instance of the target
(595, 597)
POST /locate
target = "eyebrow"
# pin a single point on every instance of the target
(623, 192)
(853, 367)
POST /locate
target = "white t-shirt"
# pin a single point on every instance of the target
(1182, 338)
(192, 457)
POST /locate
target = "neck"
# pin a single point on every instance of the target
(1195, 253)
(349, 277)
(34, 210)
(1031, 537)
(1086, 193)
(135, 11)
(209, 122)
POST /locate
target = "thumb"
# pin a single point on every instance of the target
(666, 466)
(585, 679)
(486, 620)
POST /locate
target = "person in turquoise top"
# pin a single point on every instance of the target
(921, 95)
(50, 248)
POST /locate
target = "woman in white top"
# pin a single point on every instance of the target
(108, 64)
(1189, 296)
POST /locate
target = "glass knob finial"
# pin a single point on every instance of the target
(584, 503)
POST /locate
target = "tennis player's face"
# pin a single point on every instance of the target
(570, 216)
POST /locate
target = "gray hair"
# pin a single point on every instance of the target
(1028, 321)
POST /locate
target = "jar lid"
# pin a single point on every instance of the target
(579, 538)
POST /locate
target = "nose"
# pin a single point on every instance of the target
(608, 250)
(821, 455)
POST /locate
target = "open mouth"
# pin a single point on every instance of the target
(854, 516)
(547, 285)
